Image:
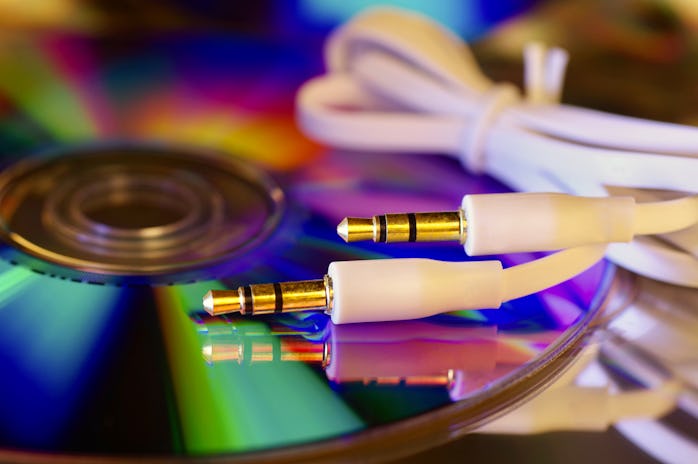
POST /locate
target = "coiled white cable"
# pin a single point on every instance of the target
(398, 82)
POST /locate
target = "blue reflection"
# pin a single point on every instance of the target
(51, 334)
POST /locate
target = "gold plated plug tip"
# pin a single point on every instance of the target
(405, 227)
(271, 298)
(355, 229)
(217, 302)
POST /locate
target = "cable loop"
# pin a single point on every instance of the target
(397, 81)
(544, 72)
(493, 103)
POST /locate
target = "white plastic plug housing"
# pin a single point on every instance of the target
(515, 222)
(400, 289)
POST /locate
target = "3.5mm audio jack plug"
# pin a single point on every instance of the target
(372, 290)
(506, 223)
(276, 297)
(405, 227)
(397, 289)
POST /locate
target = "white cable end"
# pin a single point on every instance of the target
(399, 289)
(520, 222)
(544, 73)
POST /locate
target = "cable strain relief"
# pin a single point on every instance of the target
(400, 289)
(523, 222)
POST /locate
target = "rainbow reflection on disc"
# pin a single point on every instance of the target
(111, 354)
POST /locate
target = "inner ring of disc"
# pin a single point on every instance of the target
(135, 210)
(100, 207)
(121, 208)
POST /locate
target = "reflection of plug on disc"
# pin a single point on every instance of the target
(415, 353)
(134, 213)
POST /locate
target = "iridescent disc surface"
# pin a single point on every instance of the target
(135, 213)
(113, 356)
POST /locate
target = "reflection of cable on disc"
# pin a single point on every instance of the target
(459, 359)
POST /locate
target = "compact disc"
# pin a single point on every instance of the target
(134, 213)
(135, 180)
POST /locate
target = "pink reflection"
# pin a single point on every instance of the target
(463, 360)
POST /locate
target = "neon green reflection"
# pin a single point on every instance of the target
(13, 279)
(224, 407)
(33, 84)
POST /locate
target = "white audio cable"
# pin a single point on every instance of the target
(409, 288)
(514, 222)
(398, 82)
(397, 289)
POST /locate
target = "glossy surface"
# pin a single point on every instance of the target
(139, 369)
(120, 211)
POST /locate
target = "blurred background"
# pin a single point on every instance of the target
(638, 46)
(635, 57)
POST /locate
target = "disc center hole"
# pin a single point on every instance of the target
(134, 204)
(134, 210)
